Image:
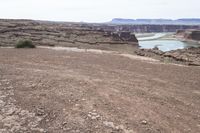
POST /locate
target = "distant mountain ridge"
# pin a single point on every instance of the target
(184, 21)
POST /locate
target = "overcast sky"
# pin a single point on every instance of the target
(98, 10)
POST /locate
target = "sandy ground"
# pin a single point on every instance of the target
(52, 91)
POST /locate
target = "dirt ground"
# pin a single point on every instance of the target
(52, 91)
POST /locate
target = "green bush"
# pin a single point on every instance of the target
(25, 44)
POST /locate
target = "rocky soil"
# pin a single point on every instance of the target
(48, 91)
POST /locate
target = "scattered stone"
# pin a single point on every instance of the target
(40, 112)
(13, 118)
(120, 127)
(89, 115)
(144, 122)
(37, 130)
(11, 111)
(93, 118)
(109, 124)
(83, 99)
(77, 105)
(77, 131)
(2, 103)
(93, 115)
(10, 87)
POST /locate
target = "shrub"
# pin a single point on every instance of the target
(24, 44)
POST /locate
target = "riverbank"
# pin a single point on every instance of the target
(165, 42)
(186, 56)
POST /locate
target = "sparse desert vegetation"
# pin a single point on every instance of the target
(25, 44)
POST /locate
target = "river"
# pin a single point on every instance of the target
(164, 45)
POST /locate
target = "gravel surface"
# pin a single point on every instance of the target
(46, 90)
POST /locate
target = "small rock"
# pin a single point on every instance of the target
(93, 113)
(89, 115)
(98, 116)
(1, 117)
(10, 87)
(40, 112)
(83, 99)
(121, 127)
(64, 123)
(93, 117)
(144, 122)
(11, 111)
(37, 130)
(77, 131)
(96, 127)
(109, 124)
(76, 105)
(2, 103)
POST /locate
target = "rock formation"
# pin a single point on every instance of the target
(189, 34)
(188, 56)
(123, 36)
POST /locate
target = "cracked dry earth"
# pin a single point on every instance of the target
(44, 90)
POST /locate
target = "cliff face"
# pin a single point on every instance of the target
(123, 36)
(75, 34)
(145, 28)
(194, 35)
(157, 21)
(189, 34)
(50, 33)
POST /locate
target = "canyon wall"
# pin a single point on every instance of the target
(143, 28)
(73, 34)
(185, 21)
(61, 34)
(191, 36)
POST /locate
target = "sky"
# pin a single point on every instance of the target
(98, 10)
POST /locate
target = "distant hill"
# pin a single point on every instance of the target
(185, 21)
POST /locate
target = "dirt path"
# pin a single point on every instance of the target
(43, 90)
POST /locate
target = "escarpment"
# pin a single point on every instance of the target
(144, 28)
(61, 34)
